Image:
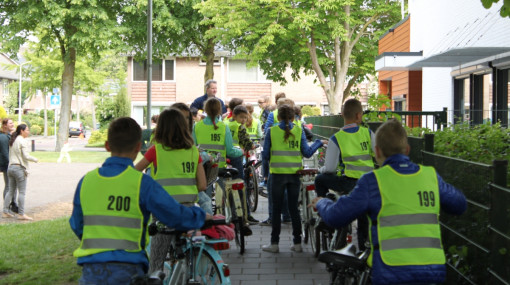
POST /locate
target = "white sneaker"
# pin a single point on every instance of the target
(271, 248)
(296, 247)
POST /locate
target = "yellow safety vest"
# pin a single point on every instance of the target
(177, 172)
(112, 218)
(210, 139)
(408, 222)
(356, 150)
(286, 157)
(233, 125)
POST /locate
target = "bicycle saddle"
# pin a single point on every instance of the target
(308, 171)
(345, 257)
(227, 172)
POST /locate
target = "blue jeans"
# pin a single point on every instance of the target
(278, 184)
(110, 273)
(205, 202)
(343, 185)
(285, 209)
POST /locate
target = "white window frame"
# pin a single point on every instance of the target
(216, 62)
(259, 73)
(163, 63)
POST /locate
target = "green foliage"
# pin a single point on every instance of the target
(32, 119)
(36, 130)
(480, 143)
(105, 109)
(310, 111)
(375, 104)
(121, 104)
(98, 137)
(505, 9)
(3, 113)
(328, 38)
(417, 131)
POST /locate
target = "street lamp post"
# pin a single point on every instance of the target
(20, 110)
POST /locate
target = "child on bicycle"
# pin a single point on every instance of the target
(214, 135)
(404, 227)
(253, 125)
(284, 148)
(177, 166)
(112, 206)
(204, 200)
(348, 156)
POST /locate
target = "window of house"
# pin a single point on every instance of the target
(160, 69)
(239, 72)
(5, 87)
(398, 106)
(215, 62)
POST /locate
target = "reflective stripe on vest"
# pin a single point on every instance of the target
(112, 218)
(407, 224)
(286, 156)
(356, 152)
(210, 139)
(233, 125)
(177, 172)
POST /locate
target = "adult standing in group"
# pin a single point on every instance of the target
(18, 171)
(5, 137)
(211, 88)
(264, 104)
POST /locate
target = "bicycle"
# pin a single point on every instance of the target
(308, 215)
(252, 180)
(346, 266)
(193, 259)
(229, 203)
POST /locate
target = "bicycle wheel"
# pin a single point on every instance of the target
(315, 240)
(238, 226)
(252, 188)
(207, 270)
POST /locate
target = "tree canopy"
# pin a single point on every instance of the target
(176, 31)
(505, 9)
(334, 39)
(80, 28)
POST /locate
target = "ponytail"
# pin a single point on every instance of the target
(286, 114)
(212, 107)
(21, 127)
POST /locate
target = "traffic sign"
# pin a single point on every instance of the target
(55, 100)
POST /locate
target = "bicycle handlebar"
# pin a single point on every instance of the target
(158, 227)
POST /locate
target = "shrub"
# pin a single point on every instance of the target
(3, 113)
(35, 130)
(98, 137)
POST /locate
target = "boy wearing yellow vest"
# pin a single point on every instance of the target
(402, 201)
(349, 155)
(112, 206)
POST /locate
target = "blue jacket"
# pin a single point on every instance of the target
(153, 199)
(306, 150)
(366, 199)
(199, 103)
(4, 151)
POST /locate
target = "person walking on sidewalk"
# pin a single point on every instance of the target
(18, 171)
(284, 147)
(5, 137)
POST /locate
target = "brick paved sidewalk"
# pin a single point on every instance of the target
(285, 267)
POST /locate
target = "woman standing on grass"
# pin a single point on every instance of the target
(18, 171)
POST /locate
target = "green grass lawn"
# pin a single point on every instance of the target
(38, 253)
(76, 156)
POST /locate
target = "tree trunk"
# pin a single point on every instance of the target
(209, 60)
(67, 95)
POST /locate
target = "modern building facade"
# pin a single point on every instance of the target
(453, 54)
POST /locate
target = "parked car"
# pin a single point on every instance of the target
(76, 129)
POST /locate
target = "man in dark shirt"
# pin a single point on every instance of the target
(211, 89)
(5, 136)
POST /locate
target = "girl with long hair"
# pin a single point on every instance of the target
(284, 147)
(177, 166)
(18, 171)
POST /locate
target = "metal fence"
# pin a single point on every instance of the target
(477, 243)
